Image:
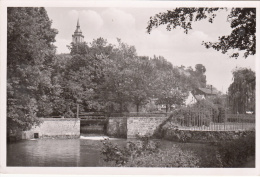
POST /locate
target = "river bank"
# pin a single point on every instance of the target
(86, 152)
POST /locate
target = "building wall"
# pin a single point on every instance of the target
(55, 127)
(190, 99)
(143, 126)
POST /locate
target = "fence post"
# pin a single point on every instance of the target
(224, 124)
(242, 124)
(199, 120)
(77, 111)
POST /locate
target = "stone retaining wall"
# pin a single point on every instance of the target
(55, 127)
(143, 126)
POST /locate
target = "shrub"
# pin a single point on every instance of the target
(113, 153)
(199, 114)
(146, 153)
(121, 155)
(205, 153)
(173, 157)
(235, 152)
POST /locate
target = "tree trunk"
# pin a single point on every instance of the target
(137, 107)
(121, 107)
(166, 107)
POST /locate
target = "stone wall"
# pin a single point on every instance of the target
(55, 127)
(117, 127)
(144, 126)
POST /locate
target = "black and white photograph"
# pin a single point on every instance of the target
(140, 85)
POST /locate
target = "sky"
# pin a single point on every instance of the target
(129, 24)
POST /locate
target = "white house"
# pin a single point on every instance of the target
(191, 99)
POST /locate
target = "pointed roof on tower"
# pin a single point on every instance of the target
(78, 30)
(77, 37)
(78, 23)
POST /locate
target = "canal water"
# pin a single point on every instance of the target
(83, 152)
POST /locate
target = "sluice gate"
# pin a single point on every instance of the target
(92, 123)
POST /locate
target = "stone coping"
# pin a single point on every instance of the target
(137, 117)
(59, 119)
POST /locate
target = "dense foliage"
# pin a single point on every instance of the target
(97, 76)
(30, 55)
(236, 152)
(121, 78)
(241, 93)
(146, 153)
(199, 114)
(242, 21)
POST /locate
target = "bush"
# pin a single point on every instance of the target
(205, 153)
(199, 114)
(173, 157)
(146, 153)
(235, 152)
(119, 156)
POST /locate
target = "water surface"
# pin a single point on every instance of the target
(57, 152)
(83, 152)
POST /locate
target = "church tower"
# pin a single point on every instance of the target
(77, 37)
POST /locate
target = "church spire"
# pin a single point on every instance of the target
(78, 23)
(77, 37)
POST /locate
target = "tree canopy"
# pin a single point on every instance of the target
(242, 21)
(241, 93)
(30, 54)
(98, 76)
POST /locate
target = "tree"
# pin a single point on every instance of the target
(84, 75)
(167, 86)
(200, 74)
(190, 79)
(141, 77)
(169, 92)
(242, 21)
(58, 77)
(115, 89)
(241, 93)
(30, 54)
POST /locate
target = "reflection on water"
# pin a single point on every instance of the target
(83, 152)
(57, 152)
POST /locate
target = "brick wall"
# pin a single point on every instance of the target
(55, 127)
(142, 125)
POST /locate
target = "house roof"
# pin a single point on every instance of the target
(208, 91)
(199, 97)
